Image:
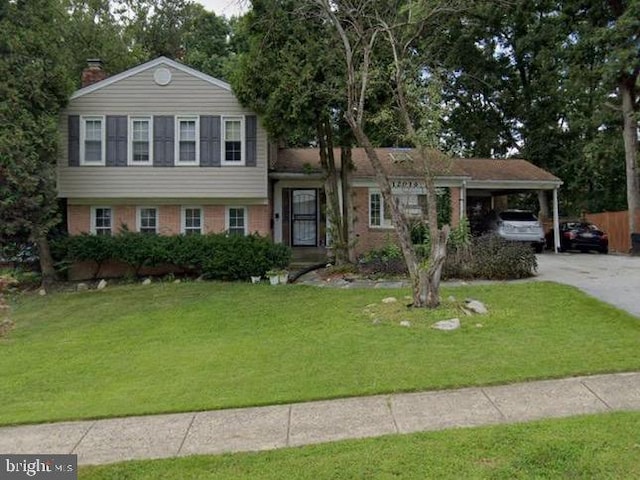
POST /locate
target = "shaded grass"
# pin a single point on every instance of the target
(591, 447)
(195, 346)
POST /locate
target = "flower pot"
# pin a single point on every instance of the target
(255, 279)
(273, 280)
(283, 278)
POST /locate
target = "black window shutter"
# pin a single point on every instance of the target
(251, 141)
(116, 141)
(215, 141)
(74, 140)
(163, 141)
(209, 141)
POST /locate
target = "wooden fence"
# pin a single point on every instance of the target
(616, 225)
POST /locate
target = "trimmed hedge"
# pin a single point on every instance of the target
(215, 256)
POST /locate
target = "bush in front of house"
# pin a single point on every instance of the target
(215, 256)
(487, 257)
(495, 258)
(387, 260)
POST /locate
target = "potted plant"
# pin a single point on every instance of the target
(273, 276)
(255, 279)
(283, 276)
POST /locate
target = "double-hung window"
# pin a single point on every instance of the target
(101, 220)
(140, 141)
(379, 214)
(147, 219)
(237, 221)
(191, 220)
(92, 140)
(187, 141)
(233, 141)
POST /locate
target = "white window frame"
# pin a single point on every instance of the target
(243, 143)
(83, 135)
(93, 227)
(130, 160)
(183, 222)
(384, 223)
(228, 218)
(139, 217)
(189, 118)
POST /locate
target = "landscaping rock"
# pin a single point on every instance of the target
(376, 321)
(146, 281)
(468, 313)
(82, 287)
(371, 305)
(405, 323)
(102, 284)
(452, 324)
(479, 325)
(389, 300)
(177, 281)
(42, 292)
(475, 306)
(451, 299)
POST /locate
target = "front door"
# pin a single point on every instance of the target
(304, 218)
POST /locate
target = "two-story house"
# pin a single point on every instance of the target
(164, 148)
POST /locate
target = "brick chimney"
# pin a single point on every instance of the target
(93, 72)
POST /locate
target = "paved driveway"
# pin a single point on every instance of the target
(612, 278)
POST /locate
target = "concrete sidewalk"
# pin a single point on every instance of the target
(265, 428)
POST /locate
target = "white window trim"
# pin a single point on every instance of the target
(243, 143)
(246, 218)
(130, 140)
(384, 225)
(92, 226)
(139, 217)
(177, 161)
(183, 218)
(83, 132)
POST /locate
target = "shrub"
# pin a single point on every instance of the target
(495, 258)
(387, 260)
(218, 256)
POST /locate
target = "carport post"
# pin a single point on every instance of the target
(556, 222)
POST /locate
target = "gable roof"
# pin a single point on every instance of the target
(146, 66)
(307, 160)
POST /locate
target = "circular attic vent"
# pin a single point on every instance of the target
(162, 76)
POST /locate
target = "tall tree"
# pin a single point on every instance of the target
(380, 38)
(288, 73)
(34, 86)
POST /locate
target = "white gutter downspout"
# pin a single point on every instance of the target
(556, 222)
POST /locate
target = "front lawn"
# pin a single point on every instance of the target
(591, 447)
(194, 346)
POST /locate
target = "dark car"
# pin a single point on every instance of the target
(583, 236)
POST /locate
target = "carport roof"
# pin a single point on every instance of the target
(397, 163)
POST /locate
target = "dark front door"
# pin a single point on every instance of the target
(304, 218)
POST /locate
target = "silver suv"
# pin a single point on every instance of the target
(517, 226)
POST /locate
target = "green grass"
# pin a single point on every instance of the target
(592, 447)
(194, 346)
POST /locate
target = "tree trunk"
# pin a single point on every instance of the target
(334, 213)
(46, 261)
(402, 231)
(630, 133)
(348, 216)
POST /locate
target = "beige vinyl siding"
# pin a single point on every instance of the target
(140, 95)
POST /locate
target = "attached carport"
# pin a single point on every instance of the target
(491, 180)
